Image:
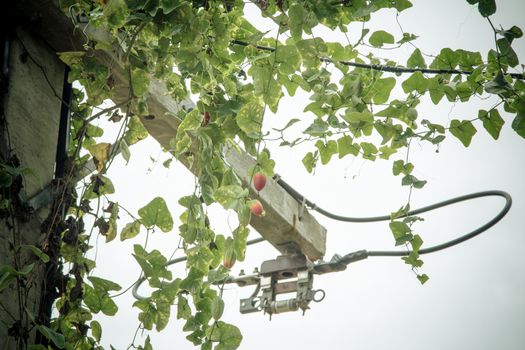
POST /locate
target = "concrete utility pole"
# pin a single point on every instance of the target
(32, 80)
(285, 226)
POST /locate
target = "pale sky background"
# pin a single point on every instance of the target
(474, 298)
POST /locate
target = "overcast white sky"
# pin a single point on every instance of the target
(474, 298)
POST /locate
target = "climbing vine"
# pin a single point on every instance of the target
(236, 74)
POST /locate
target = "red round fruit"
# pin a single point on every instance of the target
(259, 181)
(256, 208)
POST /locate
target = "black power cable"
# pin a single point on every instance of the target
(363, 254)
(465, 237)
(301, 199)
(339, 263)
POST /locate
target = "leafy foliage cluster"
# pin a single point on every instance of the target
(207, 48)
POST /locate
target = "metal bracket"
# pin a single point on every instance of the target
(287, 274)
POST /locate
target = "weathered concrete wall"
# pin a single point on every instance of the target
(31, 108)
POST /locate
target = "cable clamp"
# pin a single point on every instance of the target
(302, 208)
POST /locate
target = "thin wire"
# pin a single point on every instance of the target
(141, 280)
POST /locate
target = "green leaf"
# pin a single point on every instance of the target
(309, 161)
(266, 85)
(492, 122)
(36, 251)
(462, 130)
(218, 274)
(369, 150)
(230, 196)
(401, 5)
(193, 281)
(401, 212)
(168, 6)
(416, 60)
(124, 150)
(99, 186)
(290, 123)
(264, 163)
(199, 258)
(163, 313)
(139, 81)
(136, 131)
(401, 231)
(416, 243)
(326, 150)
(346, 146)
(311, 50)
(518, 124)
(8, 273)
(147, 342)
(413, 259)
(507, 52)
(167, 163)
(464, 91)
(156, 213)
(338, 52)
(288, 59)
(380, 37)
(153, 264)
(435, 89)
(359, 122)
(399, 167)
(381, 89)
(130, 230)
(191, 122)
(147, 316)
(423, 278)
(469, 60)
(243, 214)
(386, 152)
(116, 12)
(249, 119)
(71, 57)
(37, 347)
(317, 128)
(58, 339)
(447, 59)
(217, 308)
(487, 7)
(498, 85)
(411, 180)
(228, 336)
(111, 230)
(108, 306)
(100, 152)
(513, 33)
(183, 308)
(416, 82)
(297, 15)
(103, 284)
(6, 179)
(407, 37)
(96, 330)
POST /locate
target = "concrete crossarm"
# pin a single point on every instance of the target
(285, 226)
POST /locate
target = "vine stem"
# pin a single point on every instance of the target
(133, 39)
(379, 67)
